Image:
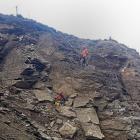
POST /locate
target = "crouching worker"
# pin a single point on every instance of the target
(60, 99)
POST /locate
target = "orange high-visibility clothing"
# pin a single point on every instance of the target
(84, 52)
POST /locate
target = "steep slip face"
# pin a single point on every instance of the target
(104, 82)
(103, 98)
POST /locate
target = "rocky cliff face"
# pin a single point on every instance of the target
(102, 98)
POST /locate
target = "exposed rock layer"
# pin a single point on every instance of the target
(102, 98)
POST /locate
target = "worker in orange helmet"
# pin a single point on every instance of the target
(84, 56)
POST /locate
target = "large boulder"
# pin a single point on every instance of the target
(40, 85)
(39, 66)
(92, 131)
(90, 123)
(81, 101)
(87, 115)
(66, 111)
(27, 72)
(43, 95)
(67, 130)
(28, 78)
(24, 84)
(116, 124)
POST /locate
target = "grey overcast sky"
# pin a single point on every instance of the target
(92, 19)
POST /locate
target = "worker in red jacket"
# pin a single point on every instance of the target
(60, 99)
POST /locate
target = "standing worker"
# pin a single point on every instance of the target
(84, 56)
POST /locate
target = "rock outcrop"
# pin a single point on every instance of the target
(37, 62)
(67, 130)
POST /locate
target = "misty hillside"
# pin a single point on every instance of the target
(102, 99)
